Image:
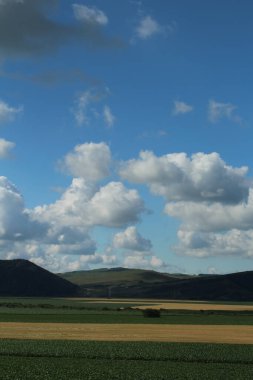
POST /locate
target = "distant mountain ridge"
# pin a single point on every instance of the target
(21, 278)
(137, 283)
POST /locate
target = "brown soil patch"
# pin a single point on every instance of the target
(128, 332)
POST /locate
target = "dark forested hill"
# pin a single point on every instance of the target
(23, 278)
(121, 282)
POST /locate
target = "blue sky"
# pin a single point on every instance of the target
(126, 134)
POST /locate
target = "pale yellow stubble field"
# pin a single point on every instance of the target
(168, 305)
(128, 332)
(196, 306)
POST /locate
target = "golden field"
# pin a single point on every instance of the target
(168, 304)
(195, 306)
(128, 332)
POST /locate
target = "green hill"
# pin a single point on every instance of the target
(114, 276)
(137, 283)
(25, 279)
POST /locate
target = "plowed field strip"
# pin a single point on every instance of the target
(128, 332)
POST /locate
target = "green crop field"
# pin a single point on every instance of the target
(60, 360)
(126, 317)
(78, 311)
(67, 360)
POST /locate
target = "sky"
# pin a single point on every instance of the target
(126, 132)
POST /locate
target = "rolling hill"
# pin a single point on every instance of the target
(115, 276)
(21, 278)
(122, 282)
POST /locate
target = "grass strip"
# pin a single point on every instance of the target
(124, 317)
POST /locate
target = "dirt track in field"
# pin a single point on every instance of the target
(128, 332)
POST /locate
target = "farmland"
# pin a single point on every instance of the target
(45, 338)
(50, 310)
(130, 332)
(116, 360)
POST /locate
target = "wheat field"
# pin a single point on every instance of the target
(128, 332)
(166, 304)
(195, 306)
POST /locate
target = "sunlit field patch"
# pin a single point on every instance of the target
(196, 306)
(128, 332)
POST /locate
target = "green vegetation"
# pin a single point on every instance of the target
(136, 283)
(60, 360)
(67, 360)
(21, 278)
(114, 276)
(79, 311)
(128, 317)
(151, 313)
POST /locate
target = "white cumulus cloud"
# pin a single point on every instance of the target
(63, 229)
(214, 216)
(82, 206)
(143, 261)
(181, 108)
(109, 118)
(89, 161)
(90, 15)
(201, 177)
(218, 111)
(8, 113)
(5, 148)
(86, 107)
(115, 206)
(81, 108)
(147, 27)
(16, 222)
(210, 229)
(50, 258)
(130, 239)
(212, 200)
(203, 244)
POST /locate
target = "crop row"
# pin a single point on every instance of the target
(186, 352)
(67, 360)
(79, 369)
